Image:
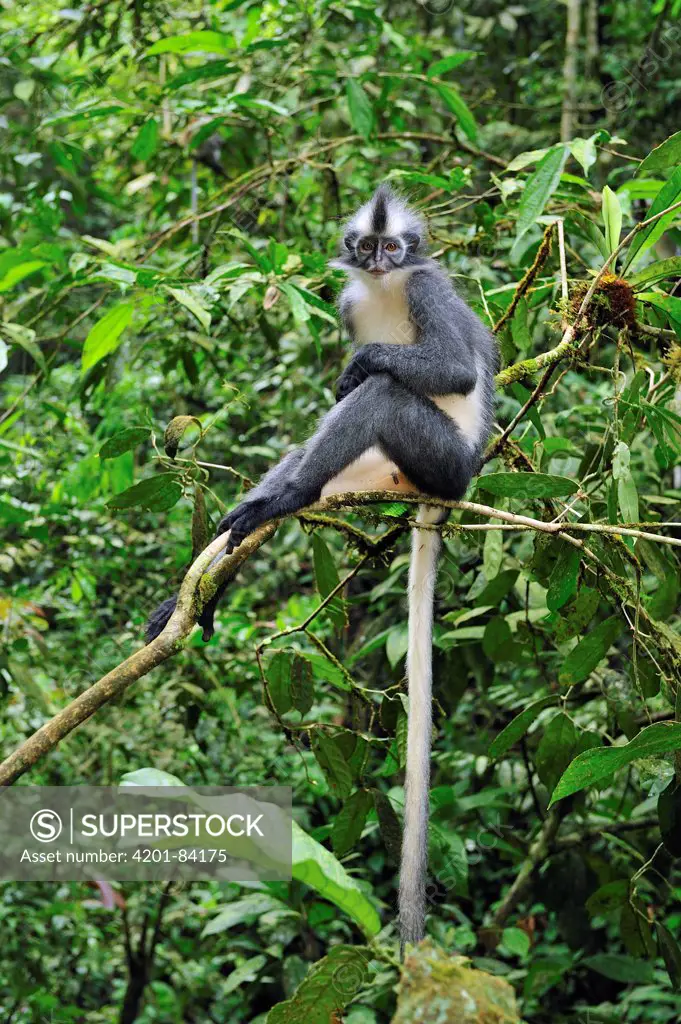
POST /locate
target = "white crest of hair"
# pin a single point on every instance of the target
(422, 575)
(400, 218)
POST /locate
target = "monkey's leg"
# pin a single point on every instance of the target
(343, 435)
(160, 616)
(425, 443)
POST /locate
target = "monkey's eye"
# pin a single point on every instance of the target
(391, 247)
(366, 246)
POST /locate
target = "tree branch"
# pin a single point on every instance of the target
(212, 568)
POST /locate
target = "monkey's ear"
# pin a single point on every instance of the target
(411, 240)
(349, 240)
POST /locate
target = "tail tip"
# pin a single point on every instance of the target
(159, 618)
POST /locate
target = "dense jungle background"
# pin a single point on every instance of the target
(173, 178)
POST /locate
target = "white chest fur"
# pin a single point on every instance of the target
(380, 313)
(379, 310)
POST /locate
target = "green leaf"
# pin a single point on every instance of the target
(278, 675)
(252, 906)
(608, 898)
(656, 272)
(389, 825)
(492, 553)
(299, 306)
(455, 104)
(146, 143)
(495, 590)
(516, 729)
(24, 337)
(590, 651)
(396, 644)
(612, 218)
(669, 816)
(635, 930)
(317, 867)
(332, 762)
(600, 763)
(349, 822)
(621, 459)
(123, 441)
(586, 227)
(671, 953)
(302, 684)
(24, 89)
(667, 154)
(361, 108)
(579, 616)
(516, 941)
(327, 989)
(539, 188)
(441, 67)
(619, 967)
(627, 498)
(556, 749)
(156, 494)
(327, 579)
(563, 579)
(529, 156)
(669, 303)
(105, 337)
(497, 640)
(17, 273)
(584, 152)
(191, 302)
(527, 485)
(316, 305)
(246, 972)
(520, 328)
(290, 682)
(667, 196)
(193, 42)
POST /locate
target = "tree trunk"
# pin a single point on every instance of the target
(570, 70)
(591, 30)
(134, 993)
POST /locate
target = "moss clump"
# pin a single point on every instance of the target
(613, 303)
(437, 988)
(672, 359)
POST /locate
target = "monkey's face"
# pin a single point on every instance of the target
(378, 255)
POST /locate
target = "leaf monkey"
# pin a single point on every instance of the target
(414, 412)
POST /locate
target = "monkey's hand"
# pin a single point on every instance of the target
(352, 376)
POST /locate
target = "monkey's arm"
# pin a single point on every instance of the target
(441, 362)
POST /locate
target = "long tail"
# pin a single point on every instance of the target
(159, 618)
(422, 572)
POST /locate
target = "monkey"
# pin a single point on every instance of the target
(414, 413)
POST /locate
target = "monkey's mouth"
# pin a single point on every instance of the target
(377, 272)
